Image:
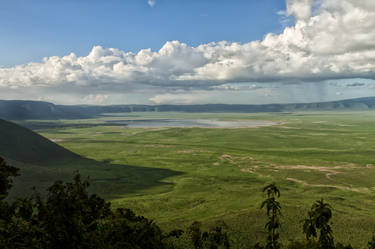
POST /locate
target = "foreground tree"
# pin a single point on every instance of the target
(70, 217)
(273, 213)
(6, 172)
(371, 243)
(319, 219)
(214, 238)
(127, 230)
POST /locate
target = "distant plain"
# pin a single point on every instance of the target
(177, 175)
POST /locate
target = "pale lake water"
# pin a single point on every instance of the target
(204, 123)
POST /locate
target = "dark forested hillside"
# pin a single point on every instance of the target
(21, 110)
(23, 145)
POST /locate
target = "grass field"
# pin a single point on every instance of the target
(178, 175)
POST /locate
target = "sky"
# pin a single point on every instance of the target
(186, 51)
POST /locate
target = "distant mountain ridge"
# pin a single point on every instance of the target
(21, 110)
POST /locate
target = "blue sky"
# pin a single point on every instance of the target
(31, 30)
(186, 51)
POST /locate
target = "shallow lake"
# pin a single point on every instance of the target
(207, 123)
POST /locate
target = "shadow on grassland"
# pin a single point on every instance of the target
(43, 162)
(107, 180)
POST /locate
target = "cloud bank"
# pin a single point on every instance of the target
(330, 40)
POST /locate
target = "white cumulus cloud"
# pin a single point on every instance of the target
(301, 9)
(334, 41)
(151, 2)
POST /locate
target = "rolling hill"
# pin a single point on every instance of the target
(23, 145)
(22, 110)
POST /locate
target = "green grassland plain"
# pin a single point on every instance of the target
(179, 175)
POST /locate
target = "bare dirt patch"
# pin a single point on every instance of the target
(248, 170)
(226, 157)
(319, 122)
(57, 140)
(237, 160)
(330, 170)
(191, 151)
(290, 127)
(363, 189)
(344, 125)
(155, 146)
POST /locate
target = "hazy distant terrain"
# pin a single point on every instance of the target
(21, 110)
